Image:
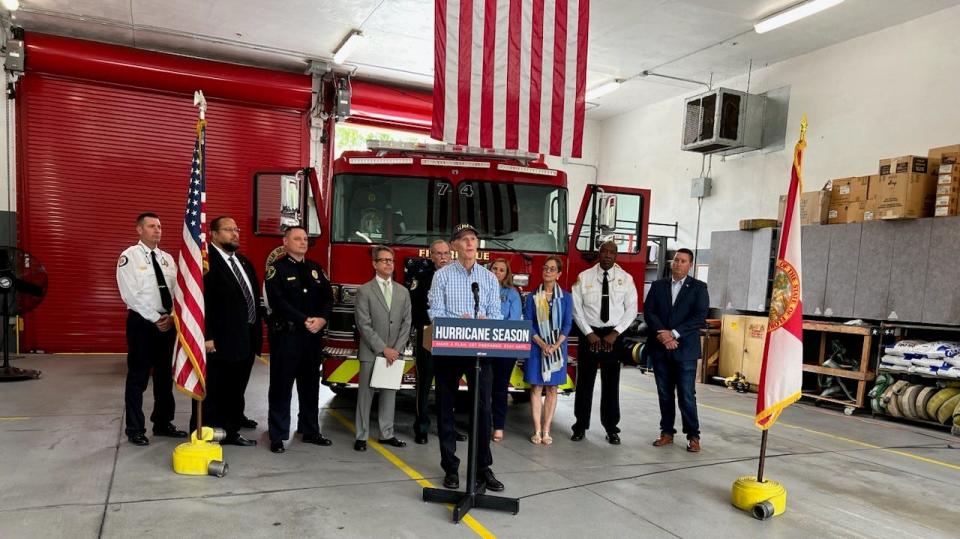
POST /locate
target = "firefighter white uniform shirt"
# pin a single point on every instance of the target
(138, 283)
(587, 295)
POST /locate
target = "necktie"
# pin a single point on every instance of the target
(387, 296)
(605, 299)
(247, 296)
(165, 299)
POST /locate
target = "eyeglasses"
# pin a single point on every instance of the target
(384, 260)
(551, 269)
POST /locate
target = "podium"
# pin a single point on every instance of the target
(462, 339)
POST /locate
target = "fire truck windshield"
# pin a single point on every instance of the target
(399, 210)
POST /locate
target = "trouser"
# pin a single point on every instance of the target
(247, 369)
(449, 370)
(148, 349)
(222, 407)
(421, 424)
(365, 401)
(295, 358)
(678, 377)
(502, 369)
(588, 362)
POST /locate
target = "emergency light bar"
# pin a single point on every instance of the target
(528, 170)
(448, 149)
(454, 163)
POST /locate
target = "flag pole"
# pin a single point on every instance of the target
(763, 456)
(200, 102)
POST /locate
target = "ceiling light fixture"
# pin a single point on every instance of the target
(793, 14)
(11, 5)
(347, 46)
(603, 89)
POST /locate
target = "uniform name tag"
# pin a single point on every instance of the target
(291, 278)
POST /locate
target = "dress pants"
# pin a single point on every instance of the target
(148, 348)
(295, 358)
(223, 404)
(502, 369)
(588, 363)
(677, 377)
(421, 424)
(449, 370)
(247, 370)
(365, 401)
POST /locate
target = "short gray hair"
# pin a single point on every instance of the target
(438, 242)
(377, 249)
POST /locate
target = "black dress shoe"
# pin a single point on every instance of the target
(169, 430)
(236, 439)
(420, 439)
(138, 439)
(316, 439)
(277, 447)
(461, 437)
(360, 445)
(451, 481)
(613, 438)
(393, 441)
(247, 423)
(577, 435)
(491, 481)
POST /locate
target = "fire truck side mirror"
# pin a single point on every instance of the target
(607, 214)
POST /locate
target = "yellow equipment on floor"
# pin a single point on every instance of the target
(762, 500)
(201, 457)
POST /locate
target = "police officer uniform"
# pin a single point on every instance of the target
(295, 291)
(146, 279)
(419, 303)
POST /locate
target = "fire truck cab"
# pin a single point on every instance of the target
(405, 195)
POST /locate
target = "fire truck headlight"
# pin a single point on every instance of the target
(347, 294)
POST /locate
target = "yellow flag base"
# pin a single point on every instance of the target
(202, 456)
(762, 500)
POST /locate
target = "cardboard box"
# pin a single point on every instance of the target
(945, 211)
(905, 196)
(847, 190)
(813, 207)
(952, 188)
(948, 178)
(949, 168)
(946, 200)
(870, 208)
(839, 214)
(945, 154)
(911, 164)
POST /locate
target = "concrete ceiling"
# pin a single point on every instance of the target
(693, 39)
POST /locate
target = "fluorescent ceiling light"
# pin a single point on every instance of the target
(603, 89)
(11, 5)
(347, 46)
(794, 14)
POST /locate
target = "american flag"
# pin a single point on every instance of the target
(511, 74)
(189, 354)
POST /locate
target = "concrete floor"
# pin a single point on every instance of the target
(68, 470)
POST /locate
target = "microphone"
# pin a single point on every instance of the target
(476, 299)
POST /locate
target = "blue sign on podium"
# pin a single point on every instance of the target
(489, 338)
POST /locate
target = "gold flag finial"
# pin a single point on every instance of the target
(803, 127)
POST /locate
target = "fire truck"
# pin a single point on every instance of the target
(405, 195)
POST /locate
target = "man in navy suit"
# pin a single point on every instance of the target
(676, 309)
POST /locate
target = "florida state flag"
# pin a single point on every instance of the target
(781, 374)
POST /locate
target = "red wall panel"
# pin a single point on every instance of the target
(91, 156)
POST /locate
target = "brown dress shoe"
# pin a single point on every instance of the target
(664, 439)
(693, 445)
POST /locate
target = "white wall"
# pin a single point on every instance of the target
(580, 172)
(894, 92)
(8, 184)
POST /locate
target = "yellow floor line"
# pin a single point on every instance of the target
(471, 522)
(812, 431)
(13, 418)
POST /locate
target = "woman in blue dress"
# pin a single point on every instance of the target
(550, 308)
(503, 366)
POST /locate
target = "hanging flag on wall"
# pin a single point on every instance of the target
(511, 74)
(781, 373)
(189, 354)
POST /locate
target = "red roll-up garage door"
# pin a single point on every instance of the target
(92, 155)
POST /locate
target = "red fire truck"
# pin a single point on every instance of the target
(405, 195)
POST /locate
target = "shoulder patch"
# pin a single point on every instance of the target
(123, 261)
(271, 272)
(316, 275)
(413, 285)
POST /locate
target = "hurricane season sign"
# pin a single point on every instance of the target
(491, 338)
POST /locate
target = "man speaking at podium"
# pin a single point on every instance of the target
(464, 289)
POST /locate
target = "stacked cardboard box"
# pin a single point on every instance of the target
(848, 200)
(813, 207)
(948, 180)
(906, 188)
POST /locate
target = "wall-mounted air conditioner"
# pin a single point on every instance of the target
(723, 121)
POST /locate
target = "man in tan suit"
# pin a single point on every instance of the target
(383, 320)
